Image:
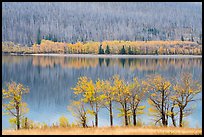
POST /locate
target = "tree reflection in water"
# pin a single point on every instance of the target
(50, 78)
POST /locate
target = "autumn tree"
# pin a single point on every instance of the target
(122, 96)
(92, 94)
(159, 87)
(109, 93)
(12, 101)
(186, 91)
(79, 111)
(63, 121)
(172, 113)
(137, 94)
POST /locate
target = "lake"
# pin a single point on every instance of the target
(50, 79)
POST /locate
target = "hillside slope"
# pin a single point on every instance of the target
(70, 22)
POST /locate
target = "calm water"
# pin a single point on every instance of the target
(50, 80)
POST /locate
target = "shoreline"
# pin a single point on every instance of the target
(112, 55)
(143, 130)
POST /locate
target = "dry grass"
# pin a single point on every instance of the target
(107, 131)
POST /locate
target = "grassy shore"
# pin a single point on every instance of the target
(107, 131)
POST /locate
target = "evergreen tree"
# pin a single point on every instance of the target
(122, 51)
(38, 37)
(200, 37)
(156, 52)
(182, 38)
(48, 37)
(130, 51)
(101, 51)
(107, 51)
(54, 39)
(192, 39)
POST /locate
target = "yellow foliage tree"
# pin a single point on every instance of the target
(63, 121)
(12, 101)
(79, 111)
(186, 91)
(159, 87)
(91, 93)
(122, 96)
(109, 94)
(137, 94)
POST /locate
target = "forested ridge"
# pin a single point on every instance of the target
(28, 23)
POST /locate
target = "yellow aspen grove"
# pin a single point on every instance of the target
(115, 47)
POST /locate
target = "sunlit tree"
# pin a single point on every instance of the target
(91, 94)
(159, 87)
(79, 111)
(122, 96)
(63, 121)
(109, 93)
(186, 92)
(12, 101)
(137, 94)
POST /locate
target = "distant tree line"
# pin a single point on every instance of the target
(108, 47)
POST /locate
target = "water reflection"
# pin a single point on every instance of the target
(50, 79)
(73, 62)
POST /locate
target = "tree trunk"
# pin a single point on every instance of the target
(26, 123)
(96, 115)
(17, 118)
(134, 118)
(129, 119)
(126, 118)
(172, 116)
(181, 117)
(163, 115)
(84, 122)
(96, 119)
(111, 114)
